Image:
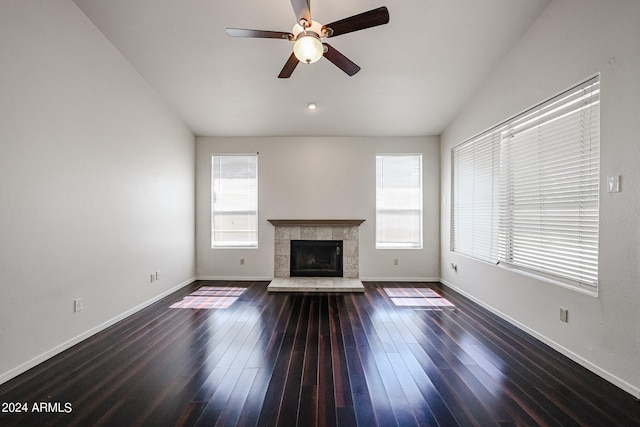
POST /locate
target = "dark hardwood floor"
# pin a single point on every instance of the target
(314, 359)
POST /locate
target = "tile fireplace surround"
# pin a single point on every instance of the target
(317, 229)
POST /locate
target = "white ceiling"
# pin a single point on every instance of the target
(417, 71)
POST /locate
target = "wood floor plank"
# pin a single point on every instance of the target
(433, 407)
(288, 413)
(307, 401)
(266, 362)
(274, 395)
(230, 413)
(303, 359)
(336, 382)
(388, 390)
(359, 388)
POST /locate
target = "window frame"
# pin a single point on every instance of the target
(236, 244)
(381, 244)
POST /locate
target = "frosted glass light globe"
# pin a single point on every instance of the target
(308, 49)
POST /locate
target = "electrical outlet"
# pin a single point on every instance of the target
(564, 315)
(152, 278)
(454, 267)
(241, 261)
(77, 305)
(395, 261)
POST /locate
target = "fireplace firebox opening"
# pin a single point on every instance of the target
(316, 258)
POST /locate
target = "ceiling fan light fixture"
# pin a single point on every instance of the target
(308, 36)
(308, 48)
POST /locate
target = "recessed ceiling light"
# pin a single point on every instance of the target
(312, 106)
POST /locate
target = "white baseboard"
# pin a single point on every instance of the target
(237, 278)
(362, 279)
(12, 373)
(399, 279)
(619, 382)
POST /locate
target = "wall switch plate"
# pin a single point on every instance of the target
(613, 184)
(241, 261)
(157, 274)
(152, 278)
(77, 305)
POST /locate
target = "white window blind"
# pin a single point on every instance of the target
(536, 210)
(550, 188)
(475, 187)
(234, 201)
(399, 201)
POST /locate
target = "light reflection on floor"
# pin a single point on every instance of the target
(423, 298)
(208, 297)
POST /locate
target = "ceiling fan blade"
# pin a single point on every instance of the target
(288, 68)
(302, 10)
(261, 34)
(369, 19)
(340, 61)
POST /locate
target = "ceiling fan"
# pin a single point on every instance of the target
(308, 36)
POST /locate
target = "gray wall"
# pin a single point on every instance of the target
(571, 41)
(96, 184)
(322, 177)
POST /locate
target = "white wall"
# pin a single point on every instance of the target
(318, 178)
(96, 184)
(571, 41)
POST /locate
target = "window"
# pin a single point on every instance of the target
(399, 201)
(536, 210)
(234, 201)
(475, 186)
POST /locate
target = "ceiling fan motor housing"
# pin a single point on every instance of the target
(318, 29)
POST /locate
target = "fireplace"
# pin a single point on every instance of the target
(345, 230)
(316, 258)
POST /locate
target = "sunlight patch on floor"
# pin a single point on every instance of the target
(424, 298)
(209, 297)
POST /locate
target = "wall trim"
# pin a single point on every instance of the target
(237, 278)
(624, 385)
(12, 373)
(362, 279)
(399, 279)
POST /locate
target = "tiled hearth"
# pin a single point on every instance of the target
(315, 284)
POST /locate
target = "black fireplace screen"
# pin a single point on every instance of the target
(321, 258)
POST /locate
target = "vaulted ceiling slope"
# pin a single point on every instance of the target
(417, 71)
